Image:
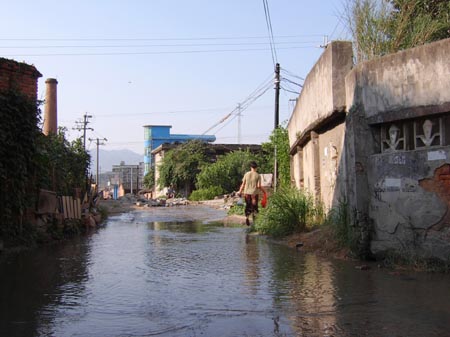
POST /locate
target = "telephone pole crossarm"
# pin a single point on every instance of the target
(84, 127)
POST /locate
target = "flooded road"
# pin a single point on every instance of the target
(176, 272)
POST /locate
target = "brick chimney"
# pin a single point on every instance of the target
(50, 112)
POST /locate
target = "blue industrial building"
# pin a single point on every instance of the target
(156, 135)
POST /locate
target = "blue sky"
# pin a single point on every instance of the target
(182, 63)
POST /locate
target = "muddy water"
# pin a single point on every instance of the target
(173, 272)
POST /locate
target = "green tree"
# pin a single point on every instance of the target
(380, 27)
(61, 165)
(227, 171)
(149, 179)
(417, 22)
(368, 22)
(181, 165)
(279, 141)
(32, 161)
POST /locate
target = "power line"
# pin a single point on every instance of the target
(292, 82)
(154, 45)
(270, 31)
(258, 92)
(158, 39)
(158, 52)
(284, 70)
(291, 91)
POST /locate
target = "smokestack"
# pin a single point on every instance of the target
(50, 112)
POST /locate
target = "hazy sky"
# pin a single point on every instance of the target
(182, 63)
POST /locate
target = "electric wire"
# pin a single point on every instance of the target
(157, 52)
(291, 91)
(157, 39)
(284, 70)
(218, 130)
(292, 82)
(154, 45)
(258, 92)
(270, 31)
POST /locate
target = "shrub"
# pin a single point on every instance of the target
(289, 210)
(206, 193)
(227, 171)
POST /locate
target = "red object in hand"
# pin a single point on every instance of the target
(264, 200)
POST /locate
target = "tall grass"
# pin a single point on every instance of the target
(340, 222)
(289, 210)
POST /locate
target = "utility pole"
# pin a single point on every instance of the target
(131, 179)
(239, 123)
(137, 178)
(84, 127)
(277, 95)
(97, 141)
(276, 122)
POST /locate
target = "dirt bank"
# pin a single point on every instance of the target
(319, 241)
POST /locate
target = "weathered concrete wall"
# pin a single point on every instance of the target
(388, 153)
(410, 82)
(323, 91)
(316, 126)
(398, 145)
(309, 159)
(410, 207)
(330, 154)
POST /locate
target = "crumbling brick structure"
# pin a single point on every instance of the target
(19, 76)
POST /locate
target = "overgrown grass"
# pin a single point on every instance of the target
(206, 193)
(340, 221)
(289, 211)
(236, 209)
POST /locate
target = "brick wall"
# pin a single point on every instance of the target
(19, 76)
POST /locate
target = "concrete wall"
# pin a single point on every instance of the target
(323, 91)
(330, 154)
(310, 155)
(410, 82)
(388, 153)
(404, 185)
(316, 126)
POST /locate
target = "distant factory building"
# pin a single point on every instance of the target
(156, 135)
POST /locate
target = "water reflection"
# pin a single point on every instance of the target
(251, 264)
(150, 273)
(32, 283)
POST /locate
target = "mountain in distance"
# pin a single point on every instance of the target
(108, 158)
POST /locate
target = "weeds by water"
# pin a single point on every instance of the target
(340, 222)
(236, 209)
(289, 211)
(412, 261)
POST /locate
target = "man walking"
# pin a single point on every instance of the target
(251, 183)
